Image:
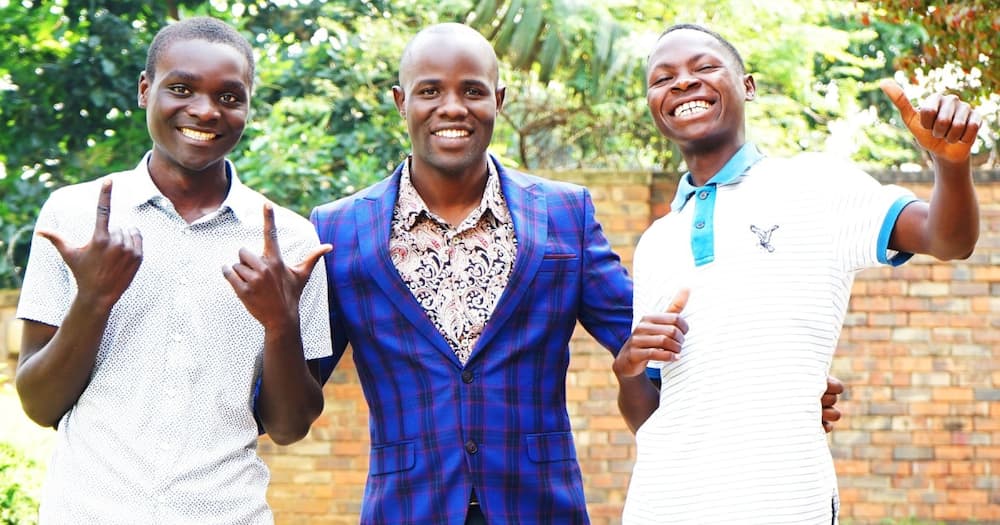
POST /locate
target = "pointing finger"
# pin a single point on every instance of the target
(103, 208)
(679, 301)
(270, 231)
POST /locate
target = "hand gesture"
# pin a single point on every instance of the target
(829, 400)
(105, 266)
(943, 125)
(269, 289)
(658, 337)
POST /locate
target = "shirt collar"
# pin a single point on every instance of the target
(136, 188)
(411, 205)
(731, 173)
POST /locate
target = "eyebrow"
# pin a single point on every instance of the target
(189, 77)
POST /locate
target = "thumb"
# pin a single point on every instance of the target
(895, 93)
(56, 241)
(306, 266)
(679, 301)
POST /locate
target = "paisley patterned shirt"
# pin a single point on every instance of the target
(457, 274)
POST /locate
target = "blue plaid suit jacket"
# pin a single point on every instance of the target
(499, 423)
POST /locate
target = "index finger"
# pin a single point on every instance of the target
(270, 231)
(103, 207)
(679, 301)
(895, 93)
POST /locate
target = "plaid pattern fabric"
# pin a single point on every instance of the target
(499, 423)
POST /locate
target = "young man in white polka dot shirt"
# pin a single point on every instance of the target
(766, 249)
(148, 330)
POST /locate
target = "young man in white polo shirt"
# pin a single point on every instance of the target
(766, 249)
(146, 330)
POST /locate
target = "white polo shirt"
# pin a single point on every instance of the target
(164, 432)
(769, 249)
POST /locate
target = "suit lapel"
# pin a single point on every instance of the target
(376, 210)
(529, 212)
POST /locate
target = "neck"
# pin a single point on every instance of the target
(194, 194)
(703, 165)
(452, 196)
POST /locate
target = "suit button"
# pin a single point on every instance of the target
(471, 447)
(467, 376)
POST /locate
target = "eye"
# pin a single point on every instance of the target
(474, 92)
(229, 98)
(661, 79)
(179, 89)
(427, 91)
(707, 67)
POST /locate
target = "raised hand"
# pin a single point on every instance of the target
(657, 337)
(269, 290)
(943, 125)
(105, 266)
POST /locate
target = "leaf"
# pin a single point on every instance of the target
(550, 54)
(526, 35)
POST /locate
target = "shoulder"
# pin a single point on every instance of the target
(342, 205)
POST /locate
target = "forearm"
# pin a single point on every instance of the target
(290, 398)
(953, 212)
(637, 400)
(56, 363)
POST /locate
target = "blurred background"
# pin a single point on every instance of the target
(324, 125)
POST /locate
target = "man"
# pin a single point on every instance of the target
(458, 285)
(137, 346)
(758, 256)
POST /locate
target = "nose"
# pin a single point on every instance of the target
(204, 108)
(685, 82)
(453, 106)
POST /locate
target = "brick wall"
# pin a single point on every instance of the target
(919, 354)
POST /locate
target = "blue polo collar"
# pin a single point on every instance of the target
(703, 221)
(735, 168)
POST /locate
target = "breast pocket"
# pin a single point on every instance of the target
(393, 457)
(550, 446)
(560, 262)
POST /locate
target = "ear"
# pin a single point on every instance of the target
(399, 97)
(750, 86)
(501, 93)
(143, 89)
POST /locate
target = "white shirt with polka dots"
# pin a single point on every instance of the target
(164, 432)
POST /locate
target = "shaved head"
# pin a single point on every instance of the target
(449, 34)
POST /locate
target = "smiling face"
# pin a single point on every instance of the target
(696, 91)
(449, 97)
(197, 104)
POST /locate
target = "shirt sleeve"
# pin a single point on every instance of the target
(313, 304)
(49, 287)
(864, 213)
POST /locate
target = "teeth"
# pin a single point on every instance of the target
(196, 135)
(691, 108)
(451, 133)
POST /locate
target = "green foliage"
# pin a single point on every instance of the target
(959, 31)
(19, 482)
(324, 124)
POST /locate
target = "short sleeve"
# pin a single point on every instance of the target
(863, 213)
(49, 287)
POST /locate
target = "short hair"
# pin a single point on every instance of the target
(719, 38)
(197, 28)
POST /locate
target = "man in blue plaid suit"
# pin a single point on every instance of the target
(458, 283)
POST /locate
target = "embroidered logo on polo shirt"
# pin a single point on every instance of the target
(764, 236)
